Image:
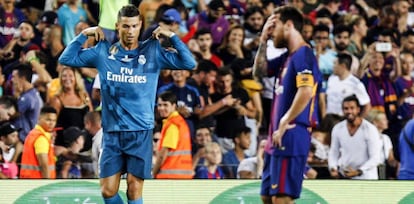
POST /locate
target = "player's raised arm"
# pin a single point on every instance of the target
(75, 56)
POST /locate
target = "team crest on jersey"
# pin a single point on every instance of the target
(142, 60)
(112, 50)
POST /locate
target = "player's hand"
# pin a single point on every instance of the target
(268, 28)
(278, 134)
(160, 30)
(95, 32)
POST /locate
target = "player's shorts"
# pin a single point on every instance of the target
(265, 187)
(129, 152)
(287, 175)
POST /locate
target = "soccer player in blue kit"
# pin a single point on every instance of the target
(129, 72)
(297, 78)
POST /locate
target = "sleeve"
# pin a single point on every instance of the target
(387, 145)
(41, 145)
(372, 137)
(75, 56)
(182, 59)
(362, 94)
(171, 137)
(304, 67)
(333, 155)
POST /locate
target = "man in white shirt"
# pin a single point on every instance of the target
(355, 145)
(92, 123)
(342, 84)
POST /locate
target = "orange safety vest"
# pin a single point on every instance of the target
(178, 164)
(30, 166)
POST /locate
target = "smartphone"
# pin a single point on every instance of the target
(383, 47)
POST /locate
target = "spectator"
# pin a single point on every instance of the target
(47, 19)
(18, 46)
(232, 104)
(202, 137)
(92, 121)
(211, 168)
(69, 14)
(232, 158)
(8, 108)
(11, 17)
(52, 40)
(189, 101)
(252, 167)
(253, 22)
(10, 149)
(354, 152)
(74, 141)
(41, 77)
(72, 102)
(387, 19)
(407, 42)
(325, 55)
(342, 84)
(213, 19)
(38, 158)
(404, 86)
(232, 47)
(342, 34)
(406, 152)
(359, 27)
(156, 136)
(204, 40)
(29, 101)
(174, 153)
(387, 162)
(170, 19)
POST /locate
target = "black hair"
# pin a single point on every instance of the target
(345, 59)
(24, 71)
(201, 31)
(128, 11)
(168, 96)
(350, 99)
(320, 28)
(240, 130)
(8, 101)
(342, 28)
(252, 10)
(47, 109)
(206, 66)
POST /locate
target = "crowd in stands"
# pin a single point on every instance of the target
(364, 49)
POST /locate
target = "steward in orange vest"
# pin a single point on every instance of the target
(38, 157)
(173, 162)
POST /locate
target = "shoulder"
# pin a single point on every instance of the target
(339, 126)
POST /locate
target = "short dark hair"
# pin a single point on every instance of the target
(240, 130)
(128, 11)
(8, 101)
(168, 96)
(252, 10)
(290, 13)
(342, 28)
(345, 59)
(350, 99)
(47, 109)
(201, 31)
(206, 66)
(225, 71)
(24, 71)
(320, 28)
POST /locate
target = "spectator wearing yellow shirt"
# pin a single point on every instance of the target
(38, 159)
(173, 159)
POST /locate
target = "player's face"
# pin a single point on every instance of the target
(278, 34)
(48, 121)
(128, 29)
(165, 108)
(351, 110)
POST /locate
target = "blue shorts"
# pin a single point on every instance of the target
(265, 187)
(287, 175)
(126, 152)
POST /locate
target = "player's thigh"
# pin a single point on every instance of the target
(137, 148)
(111, 160)
(110, 185)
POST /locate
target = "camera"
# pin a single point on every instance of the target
(383, 47)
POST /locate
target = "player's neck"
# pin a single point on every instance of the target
(131, 46)
(295, 43)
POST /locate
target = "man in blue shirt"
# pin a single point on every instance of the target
(128, 71)
(297, 78)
